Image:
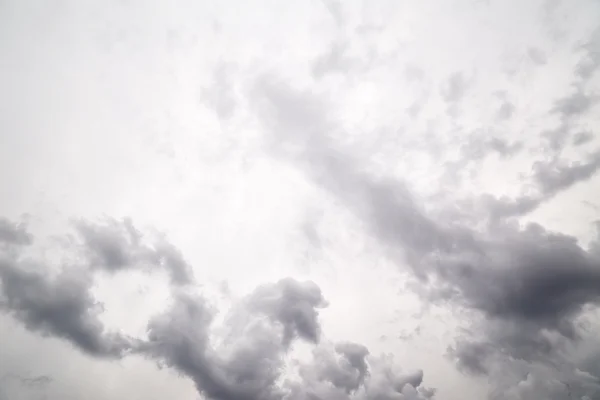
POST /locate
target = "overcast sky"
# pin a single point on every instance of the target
(324, 199)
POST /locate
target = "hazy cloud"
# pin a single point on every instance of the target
(13, 233)
(575, 104)
(220, 95)
(505, 111)
(537, 56)
(582, 138)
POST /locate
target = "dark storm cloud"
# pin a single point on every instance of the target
(59, 306)
(115, 245)
(528, 275)
(14, 233)
(512, 276)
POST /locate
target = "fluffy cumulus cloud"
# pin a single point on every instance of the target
(248, 363)
(327, 174)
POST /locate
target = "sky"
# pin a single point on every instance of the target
(268, 200)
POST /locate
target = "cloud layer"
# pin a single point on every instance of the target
(331, 175)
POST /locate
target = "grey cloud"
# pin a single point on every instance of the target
(475, 149)
(180, 338)
(537, 56)
(252, 363)
(455, 88)
(565, 380)
(553, 175)
(346, 367)
(505, 111)
(172, 260)
(528, 275)
(299, 130)
(591, 58)
(58, 306)
(556, 176)
(413, 73)
(334, 60)
(581, 138)
(498, 341)
(507, 274)
(549, 178)
(578, 103)
(220, 95)
(13, 233)
(348, 372)
(478, 148)
(61, 304)
(115, 245)
(247, 363)
(575, 104)
(335, 9)
(453, 91)
(19, 387)
(294, 304)
(34, 381)
(472, 356)
(503, 207)
(387, 383)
